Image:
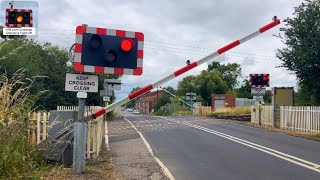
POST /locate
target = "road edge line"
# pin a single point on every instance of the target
(164, 169)
(106, 136)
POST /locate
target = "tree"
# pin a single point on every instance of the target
(302, 52)
(163, 100)
(302, 97)
(43, 60)
(187, 85)
(171, 90)
(204, 84)
(48, 62)
(244, 91)
(229, 72)
(267, 97)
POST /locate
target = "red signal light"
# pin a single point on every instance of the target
(265, 78)
(127, 45)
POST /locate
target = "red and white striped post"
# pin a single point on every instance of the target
(183, 70)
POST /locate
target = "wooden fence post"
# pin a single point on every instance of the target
(95, 139)
(38, 127)
(89, 140)
(44, 125)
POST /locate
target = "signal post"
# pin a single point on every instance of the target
(258, 82)
(104, 51)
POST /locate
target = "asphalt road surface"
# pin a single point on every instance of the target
(202, 148)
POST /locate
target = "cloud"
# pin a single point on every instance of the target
(176, 31)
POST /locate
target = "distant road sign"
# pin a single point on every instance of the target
(258, 91)
(106, 98)
(112, 84)
(81, 83)
(191, 96)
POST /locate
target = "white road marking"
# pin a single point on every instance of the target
(281, 155)
(106, 136)
(163, 167)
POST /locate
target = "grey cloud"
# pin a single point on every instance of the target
(175, 31)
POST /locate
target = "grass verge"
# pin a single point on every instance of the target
(237, 111)
(100, 168)
(19, 158)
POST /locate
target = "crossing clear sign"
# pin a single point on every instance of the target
(81, 83)
(258, 91)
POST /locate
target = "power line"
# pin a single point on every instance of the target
(150, 41)
(182, 50)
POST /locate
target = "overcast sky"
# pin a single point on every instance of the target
(177, 30)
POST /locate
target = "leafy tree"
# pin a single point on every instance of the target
(211, 83)
(204, 84)
(171, 89)
(302, 97)
(229, 72)
(302, 52)
(163, 100)
(187, 85)
(267, 97)
(43, 60)
(49, 62)
(244, 91)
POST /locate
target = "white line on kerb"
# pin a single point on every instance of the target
(273, 152)
(163, 167)
(106, 136)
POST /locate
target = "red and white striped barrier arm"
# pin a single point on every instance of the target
(183, 70)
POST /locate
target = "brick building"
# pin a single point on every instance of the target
(147, 101)
(222, 101)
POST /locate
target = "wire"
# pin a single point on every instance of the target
(148, 41)
(190, 51)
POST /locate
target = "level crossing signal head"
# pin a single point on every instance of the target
(108, 51)
(259, 80)
(19, 18)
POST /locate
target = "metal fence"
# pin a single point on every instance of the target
(39, 125)
(244, 102)
(300, 118)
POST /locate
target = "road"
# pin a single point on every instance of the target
(202, 148)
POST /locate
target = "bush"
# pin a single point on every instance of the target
(175, 108)
(163, 112)
(19, 157)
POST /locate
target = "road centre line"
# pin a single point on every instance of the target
(281, 155)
